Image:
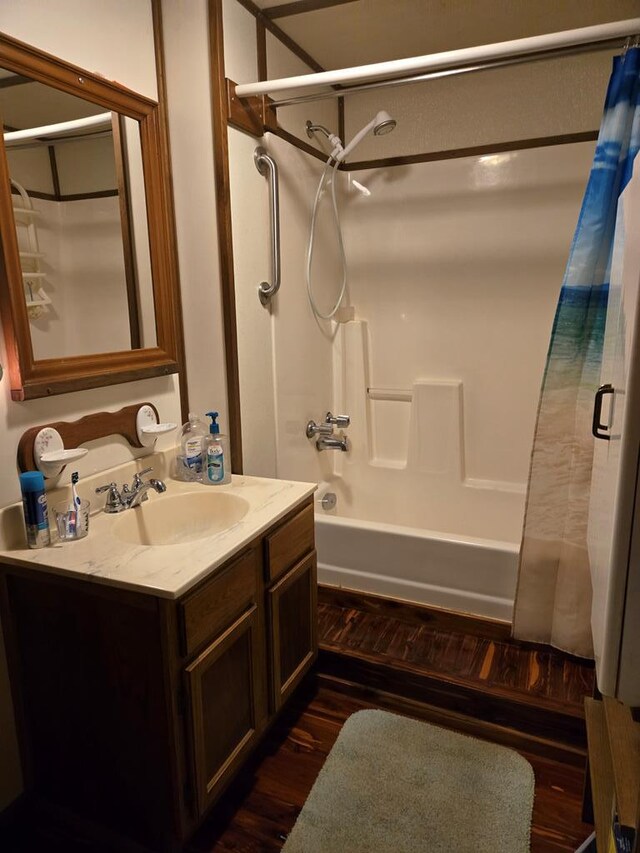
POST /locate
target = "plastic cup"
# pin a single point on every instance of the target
(72, 524)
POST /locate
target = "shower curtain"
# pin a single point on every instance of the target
(553, 599)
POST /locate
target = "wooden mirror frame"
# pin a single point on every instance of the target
(31, 378)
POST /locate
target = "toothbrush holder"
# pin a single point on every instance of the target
(71, 524)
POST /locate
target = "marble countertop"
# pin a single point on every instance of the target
(167, 571)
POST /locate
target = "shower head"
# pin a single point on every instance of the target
(381, 124)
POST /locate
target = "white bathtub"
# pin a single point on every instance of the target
(461, 573)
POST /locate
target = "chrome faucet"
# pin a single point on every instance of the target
(331, 443)
(130, 496)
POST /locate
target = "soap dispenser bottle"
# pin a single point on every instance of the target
(189, 462)
(216, 460)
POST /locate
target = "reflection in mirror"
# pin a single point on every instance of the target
(80, 214)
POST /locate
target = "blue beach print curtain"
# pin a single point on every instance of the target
(553, 600)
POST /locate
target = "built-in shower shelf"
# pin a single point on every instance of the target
(400, 395)
(31, 255)
(28, 275)
(25, 211)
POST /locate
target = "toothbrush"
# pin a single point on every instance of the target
(75, 507)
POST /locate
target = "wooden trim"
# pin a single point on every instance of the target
(420, 614)
(122, 177)
(301, 7)
(71, 196)
(169, 203)
(43, 67)
(280, 34)
(225, 238)
(261, 45)
(299, 143)
(17, 80)
(32, 378)
(473, 151)
(457, 721)
(244, 113)
(55, 177)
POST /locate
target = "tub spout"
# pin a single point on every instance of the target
(330, 443)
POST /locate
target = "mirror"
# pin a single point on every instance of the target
(89, 279)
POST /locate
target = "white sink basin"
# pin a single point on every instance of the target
(177, 519)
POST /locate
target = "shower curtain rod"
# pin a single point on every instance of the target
(587, 38)
(14, 136)
(612, 44)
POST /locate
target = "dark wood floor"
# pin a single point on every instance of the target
(263, 807)
(381, 630)
(433, 656)
(467, 675)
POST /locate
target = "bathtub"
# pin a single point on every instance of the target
(463, 573)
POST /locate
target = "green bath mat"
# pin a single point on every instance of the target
(395, 785)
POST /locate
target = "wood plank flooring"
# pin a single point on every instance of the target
(423, 664)
(261, 808)
(350, 623)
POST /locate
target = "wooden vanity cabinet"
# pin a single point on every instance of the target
(135, 712)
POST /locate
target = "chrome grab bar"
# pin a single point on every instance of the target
(266, 164)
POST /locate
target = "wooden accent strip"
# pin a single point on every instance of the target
(341, 121)
(548, 719)
(51, 70)
(473, 151)
(225, 237)
(16, 80)
(419, 614)
(122, 177)
(280, 34)
(290, 542)
(624, 745)
(244, 113)
(169, 204)
(261, 44)
(299, 143)
(601, 771)
(284, 10)
(210, 609)
(461, 722)
(88, 428)
(55, 178)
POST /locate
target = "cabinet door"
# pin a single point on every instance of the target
(224, 690)
(293, 626)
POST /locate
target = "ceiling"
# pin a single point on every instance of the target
(358, 32)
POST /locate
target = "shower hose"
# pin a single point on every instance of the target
(336, 218)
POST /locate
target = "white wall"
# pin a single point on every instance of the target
(84, 33)
(189, 95)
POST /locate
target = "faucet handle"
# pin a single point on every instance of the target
(341, 421)
(137, 477)
(314, 429)
(114, 501)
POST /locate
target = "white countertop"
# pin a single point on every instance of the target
(167, 571)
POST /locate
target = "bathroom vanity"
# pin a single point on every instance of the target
(144, 675)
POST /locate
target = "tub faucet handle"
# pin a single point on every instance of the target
(314, 429)
(341, 421)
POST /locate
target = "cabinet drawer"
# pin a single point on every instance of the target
(209, 610)
(289, 543)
